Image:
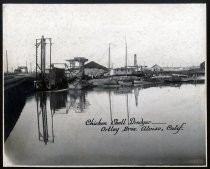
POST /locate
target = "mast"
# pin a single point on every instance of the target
(126, 53)
(109, 57)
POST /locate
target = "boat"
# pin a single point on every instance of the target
(54, 80)
(183, 79)
(145, 83)
(138, 81)
(78, 84)
(160, 79)
(178, 78)
(125, 83)
(197, 79)
(110, 83)
(173, 78)
(109, 86)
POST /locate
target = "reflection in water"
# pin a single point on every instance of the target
(161, 85)
(75, 100)
(44, 133)
(87, 145)
(124, 90)
(110, 105)
(136, 93)
(127, 107)
(58, 100)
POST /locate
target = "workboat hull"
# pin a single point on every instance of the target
(109, 86)
(122, 83)
(185, 80)
(137, 81)
(78, 85)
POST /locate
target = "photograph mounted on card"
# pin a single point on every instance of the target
(104, 85)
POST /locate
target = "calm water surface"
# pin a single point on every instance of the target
(52, 130)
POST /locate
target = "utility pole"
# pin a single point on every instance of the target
(30, 68)
(126, 55)
(7, 62)
(26, 67)
(36, 56)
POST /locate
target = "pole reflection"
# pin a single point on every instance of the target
(63, 102)
(110, 106)
(58, 103)
(127, 107)
(136, 94)
(45, 130)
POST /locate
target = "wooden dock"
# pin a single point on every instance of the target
(11, 81)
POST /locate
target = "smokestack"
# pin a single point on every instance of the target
(135, 60)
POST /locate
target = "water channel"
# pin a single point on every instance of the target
(57, 128)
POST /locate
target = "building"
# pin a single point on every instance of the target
(93, 69)
(202, 66)
(175, 68)
(194, 67)
(123, 71)
(156, 68)
(145, 68)
(21, 69)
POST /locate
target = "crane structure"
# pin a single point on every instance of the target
(41, 46)
(47, 79)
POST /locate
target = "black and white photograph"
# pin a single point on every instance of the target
(104, 85)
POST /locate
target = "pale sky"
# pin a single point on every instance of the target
(163, 34)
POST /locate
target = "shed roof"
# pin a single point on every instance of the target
(93, 65)
(155, 65)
